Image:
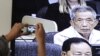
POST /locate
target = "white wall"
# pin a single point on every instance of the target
(5, 16)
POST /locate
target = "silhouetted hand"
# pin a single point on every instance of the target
(15, 31)
(39, 32)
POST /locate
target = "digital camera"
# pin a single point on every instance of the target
(31, 28)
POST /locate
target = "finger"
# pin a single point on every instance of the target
(40, 25)
(25, 25)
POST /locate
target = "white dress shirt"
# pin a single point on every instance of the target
(70, 32)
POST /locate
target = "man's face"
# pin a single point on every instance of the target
(84, 22)
(80, 49)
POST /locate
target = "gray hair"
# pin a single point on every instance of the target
(82, 9)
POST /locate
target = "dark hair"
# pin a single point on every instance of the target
(67, 43)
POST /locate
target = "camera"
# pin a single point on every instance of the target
(31, 28)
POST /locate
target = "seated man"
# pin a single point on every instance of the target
(83, 20)
(15, 32)
(76, 47)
